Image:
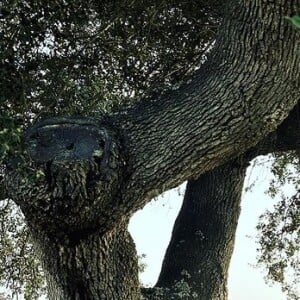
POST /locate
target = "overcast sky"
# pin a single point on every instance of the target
(151, 229)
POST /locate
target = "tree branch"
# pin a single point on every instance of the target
(203, 235)
(240, 95)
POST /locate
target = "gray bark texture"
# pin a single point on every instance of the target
(97, 172)
(95, 267)
(203, 235)
(202, 241)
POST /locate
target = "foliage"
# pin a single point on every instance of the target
(279, 229)
(180, 290)
(295, 20)
(19, 268)
(142, 264)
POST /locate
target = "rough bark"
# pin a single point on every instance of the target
(203, 235)
(240, 95)
(94, 267)
(96, 173)
(202, 241)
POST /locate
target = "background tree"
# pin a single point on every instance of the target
(70, 63)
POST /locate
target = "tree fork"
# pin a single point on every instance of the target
(202, 240)
(235, 99)
(240, 95)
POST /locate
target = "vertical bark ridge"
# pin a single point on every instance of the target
(203, 235)
(96, 267)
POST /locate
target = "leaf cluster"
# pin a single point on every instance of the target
(20, 270)
(279, 228)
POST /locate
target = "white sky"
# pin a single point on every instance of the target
(152, 226)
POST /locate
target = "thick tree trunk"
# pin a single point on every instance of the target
(92, 268)
(95, 173)
(203, 235)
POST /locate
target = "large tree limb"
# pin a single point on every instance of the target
(202, 240)
(91, 185)
(241, 94)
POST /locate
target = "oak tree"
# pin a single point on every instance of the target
(88, 174)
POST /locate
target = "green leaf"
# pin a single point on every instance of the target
(295, 20)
